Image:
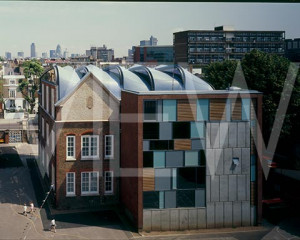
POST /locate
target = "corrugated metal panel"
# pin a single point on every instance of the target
(148, 179)
(236, 109)
(186, 110)
(217, 109)
(182, 144)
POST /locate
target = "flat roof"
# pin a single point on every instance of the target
(221, 31)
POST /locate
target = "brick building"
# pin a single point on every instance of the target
(172, 151)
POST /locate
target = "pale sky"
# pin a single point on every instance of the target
(79, 25)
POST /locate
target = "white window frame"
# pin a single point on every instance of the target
(12, 93)
(112, 146)
(89, 192)
(90, 157)
(74, 148)
(112, 182)
(70, 193)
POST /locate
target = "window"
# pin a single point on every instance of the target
(151, 130)
(109, 146)
(12, 93)
(150, 109)
(89, 183)
(12, 82)
(169, 110)
(151, 200)
(70, 147)
(89, 146)
(202, 109)
(70, 184)
(108, 182)
(12, 103)
(181, 130)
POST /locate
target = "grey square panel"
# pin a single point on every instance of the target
(198, 144)
(170, 199)
(200, 198)
(162, 179)
(165, 131)
(174, 159)
(146, 145)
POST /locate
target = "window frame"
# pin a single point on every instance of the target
(70, 194)
(112, 183)
(90, 157)
(112, 146)
(89, 192)
(74, 148)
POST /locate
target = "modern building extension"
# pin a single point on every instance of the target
(292, 49)
(202, 47)
(160, 142)
(162, 54)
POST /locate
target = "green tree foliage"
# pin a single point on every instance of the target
(265, 73)
(29, 86)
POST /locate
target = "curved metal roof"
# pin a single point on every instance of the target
(137, 78)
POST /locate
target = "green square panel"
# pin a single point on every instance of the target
(159, 159)
(191, 158)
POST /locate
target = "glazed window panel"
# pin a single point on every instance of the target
(109, 146)
(70, 147)
(89, 147)
(169, 110)
(181, 130)
(185, 198)
(89, 183)
(148, 159)
(150, 110)
(217, 110)
(151, 130)
(202, 109)
(108, 181)
(151, 200)
(159, 159)
(70, 183)
(246, 109)
(197, 129)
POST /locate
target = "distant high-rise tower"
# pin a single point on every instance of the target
(32, 51)
(44, 55)
(52, 54)
(58, 51)
(152, 42)
(8, 55)
(66, 54)
(20, 54)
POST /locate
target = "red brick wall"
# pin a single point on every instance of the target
(62, 167)
(131, 157)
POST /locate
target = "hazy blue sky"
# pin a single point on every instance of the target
(78, 25)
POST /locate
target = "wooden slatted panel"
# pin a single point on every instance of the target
(253, 108)
(236, 109)
(186, 110)
(252, 194)
(148, 179)
(182, 144)
(217, 109)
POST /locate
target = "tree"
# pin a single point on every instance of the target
(29, 86)
(265, 73)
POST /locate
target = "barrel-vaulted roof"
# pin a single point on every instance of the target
(137, 78)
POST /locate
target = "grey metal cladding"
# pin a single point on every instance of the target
(170, 199)
(198, 144)
(174, 159)
(162, 179)
(165, 131)
(200, 198)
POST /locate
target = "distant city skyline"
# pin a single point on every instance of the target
(77, 26)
